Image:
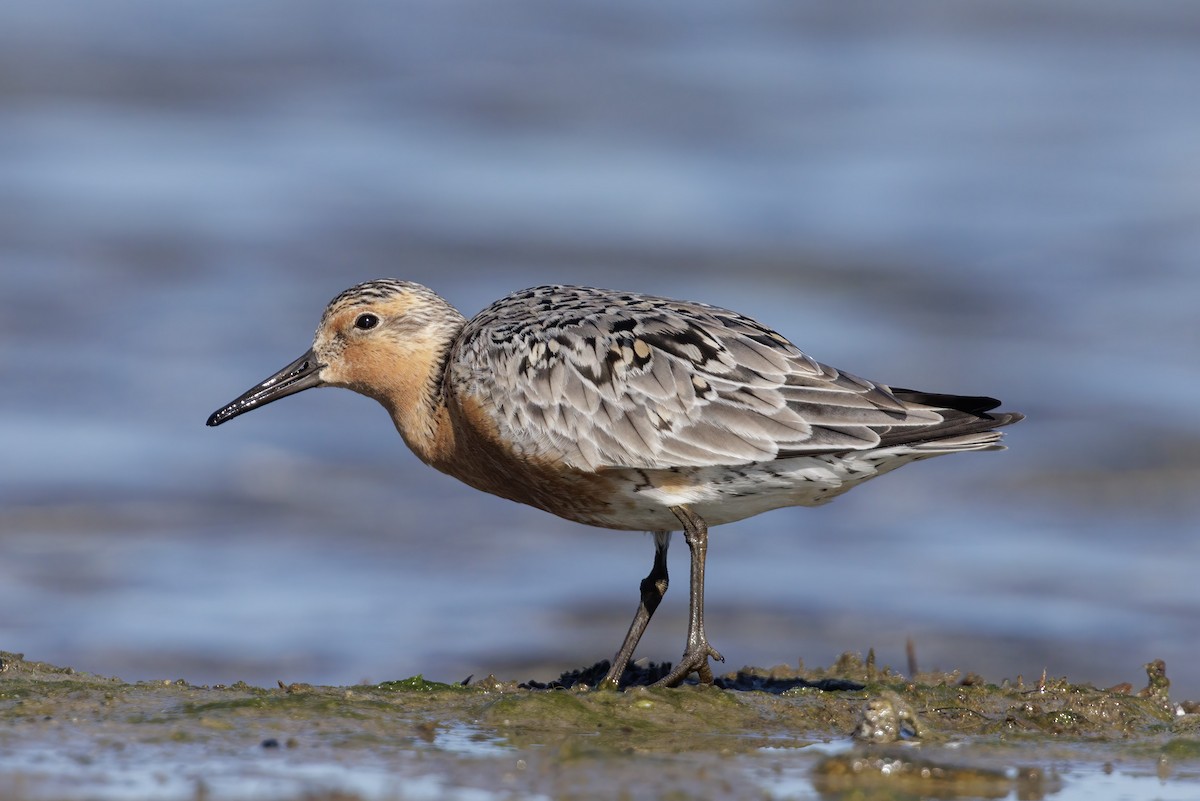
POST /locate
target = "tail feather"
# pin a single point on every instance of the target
(985, 441)
(967, 423)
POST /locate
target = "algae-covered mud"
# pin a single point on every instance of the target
(847, 732)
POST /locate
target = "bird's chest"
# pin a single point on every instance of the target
(477, 455)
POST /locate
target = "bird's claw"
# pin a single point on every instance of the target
(695, 660)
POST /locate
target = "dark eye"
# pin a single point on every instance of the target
(366, 321)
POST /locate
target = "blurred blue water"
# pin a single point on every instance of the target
(976, 198)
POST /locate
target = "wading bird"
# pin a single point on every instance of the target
(623, 411)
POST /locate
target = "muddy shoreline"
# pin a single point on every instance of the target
(849, 728)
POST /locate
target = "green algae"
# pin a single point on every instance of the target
(418, 684)
(945, 709)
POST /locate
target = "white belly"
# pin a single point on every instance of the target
(725, 494)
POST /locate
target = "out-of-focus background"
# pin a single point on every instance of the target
(972, 197)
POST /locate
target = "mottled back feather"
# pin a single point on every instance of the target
(601, 379)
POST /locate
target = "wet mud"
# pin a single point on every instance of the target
(847, 731)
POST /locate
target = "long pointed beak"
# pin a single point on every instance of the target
(302, 374)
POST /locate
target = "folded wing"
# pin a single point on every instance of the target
(600, 379)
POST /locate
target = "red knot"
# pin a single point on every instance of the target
(623, 411)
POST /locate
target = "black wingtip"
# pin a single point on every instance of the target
(972, 404)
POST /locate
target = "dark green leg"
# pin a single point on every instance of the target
(654, 587)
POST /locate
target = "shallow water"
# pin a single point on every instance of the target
(998, 200)
(184, 772)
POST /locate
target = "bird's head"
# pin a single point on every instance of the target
(381, 339)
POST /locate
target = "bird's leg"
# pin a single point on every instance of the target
(654, 587)
(695, 658)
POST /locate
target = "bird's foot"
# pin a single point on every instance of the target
(611, 681)
(695, 659)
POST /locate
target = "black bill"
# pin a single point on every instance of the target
(302, 374)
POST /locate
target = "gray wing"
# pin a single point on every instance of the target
(598, 379)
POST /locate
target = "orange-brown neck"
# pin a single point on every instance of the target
(406, 378)
(414, 399)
